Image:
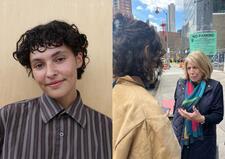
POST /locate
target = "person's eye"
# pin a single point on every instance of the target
(38, 66)
(60, 59)
(195, 67)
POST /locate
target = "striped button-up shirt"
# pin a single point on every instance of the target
(41, 129)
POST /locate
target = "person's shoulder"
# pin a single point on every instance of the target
(181, 81)
(213, 83)
(19, 104)
(96, 114)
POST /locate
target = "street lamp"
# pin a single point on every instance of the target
(157, 12)
(167, 35)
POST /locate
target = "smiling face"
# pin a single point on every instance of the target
(194, 72)
(55, 71)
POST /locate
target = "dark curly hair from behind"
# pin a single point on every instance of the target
(136, 48)
(51, 35)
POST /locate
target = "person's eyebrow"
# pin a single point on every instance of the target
(37, 59)
(58, 53)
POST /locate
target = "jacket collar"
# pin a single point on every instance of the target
(130, 79)
(208, 88)
(50, 109)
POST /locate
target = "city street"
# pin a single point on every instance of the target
(166, 88)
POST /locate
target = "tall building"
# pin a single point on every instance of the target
(219, 23)
(171, 18)
(197, 17)
(122, 6)
(174, 42)
(185, 37)
(189, 16)
(204, 14)
(219, 6)
(198, 14)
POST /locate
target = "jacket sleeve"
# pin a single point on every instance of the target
(134, 145)
(178, 93)
(175, 97)
(163, 140)
(149, 142)
(215, 115)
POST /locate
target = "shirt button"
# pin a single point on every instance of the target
(61, 134)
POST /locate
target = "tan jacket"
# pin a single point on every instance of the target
(140, 129)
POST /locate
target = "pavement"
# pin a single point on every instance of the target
(220, 76)
(165, 91)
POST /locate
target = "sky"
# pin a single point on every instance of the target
(145, 9)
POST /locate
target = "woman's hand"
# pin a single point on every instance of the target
(167, 113)
(195, 115)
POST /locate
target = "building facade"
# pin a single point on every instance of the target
(197, 18)
(219, 23)
(219, 6)
(204, 15)
(198, 15)
(171, 40)
(185, 38)
(123, 6)
(219, 26)
(171, 18)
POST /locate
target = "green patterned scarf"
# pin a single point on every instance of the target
(192, 129)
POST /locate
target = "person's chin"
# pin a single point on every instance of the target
(56, 94)
(195, 80)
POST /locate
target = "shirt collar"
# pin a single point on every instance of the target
(50, 109)
(130, 79)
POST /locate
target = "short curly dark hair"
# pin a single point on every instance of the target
(137, 49)
(53, 34)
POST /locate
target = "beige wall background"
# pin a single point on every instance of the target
(93, 17)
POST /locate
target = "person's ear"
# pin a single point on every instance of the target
(79, 59)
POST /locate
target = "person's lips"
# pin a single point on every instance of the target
(55, 84)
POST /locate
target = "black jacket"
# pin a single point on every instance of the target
(210, 105)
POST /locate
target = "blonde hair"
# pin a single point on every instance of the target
(203, 63)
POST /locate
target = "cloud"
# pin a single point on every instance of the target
(153, 4)
(150, 16)
(158, 27)
(139, 8)
(136, 17)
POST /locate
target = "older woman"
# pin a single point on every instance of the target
(198, 108)
(140, 129)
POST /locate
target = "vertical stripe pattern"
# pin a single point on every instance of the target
(41, 129)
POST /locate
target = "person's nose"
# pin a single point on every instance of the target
(51, 71)
(192, 71)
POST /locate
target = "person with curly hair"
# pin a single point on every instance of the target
(57, 124)
(140, 129)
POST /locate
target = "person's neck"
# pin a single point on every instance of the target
(66, 101)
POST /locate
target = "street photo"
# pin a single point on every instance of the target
(186, 72)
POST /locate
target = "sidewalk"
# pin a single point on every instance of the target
(220, 76)
(220, 142)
